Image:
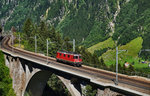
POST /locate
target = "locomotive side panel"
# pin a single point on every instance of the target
(69, 58)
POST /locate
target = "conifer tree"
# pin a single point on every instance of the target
(53, 34)
(67, 46)
(27, 28)
(89, 91)
(102, 61)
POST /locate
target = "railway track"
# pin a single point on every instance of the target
(123, 79)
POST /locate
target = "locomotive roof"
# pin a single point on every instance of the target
(66, 52)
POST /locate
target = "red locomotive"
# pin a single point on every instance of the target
(68, 57)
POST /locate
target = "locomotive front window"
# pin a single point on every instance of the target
(75, 57)
(68, 56)
(60, 54)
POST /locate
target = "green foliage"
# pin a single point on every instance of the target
(42, 32)
(54, 82)
(131, 68)
(89, 91)
(133, 48)
(28, 34)
(112, 67)
(11, 92)
(28, 28)
(66, 45)
(19, 11)
(84, 19)
(133, 21)
(100, 52)
(113, 6)
(131, 56)
(90, 59)
(87, 21)
(5, 80)
(109, 43)
(55, 9)
(97, 33)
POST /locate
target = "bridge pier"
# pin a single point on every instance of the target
(20, 73)
(16, 73)
(74, 86)
(73, 91)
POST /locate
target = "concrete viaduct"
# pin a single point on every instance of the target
(32, 75)
(31, 71)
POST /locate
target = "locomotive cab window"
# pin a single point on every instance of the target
(64, 55)
(60, 54)
(68, 56)
(75, 57)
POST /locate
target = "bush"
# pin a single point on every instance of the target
(5, 80)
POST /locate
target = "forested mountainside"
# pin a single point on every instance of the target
(88, 21)
(74, 18)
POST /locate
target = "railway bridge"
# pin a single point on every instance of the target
(31, 71)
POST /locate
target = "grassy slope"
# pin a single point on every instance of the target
(133, 47)
(130, 56)
(101, 45)
(17, 45)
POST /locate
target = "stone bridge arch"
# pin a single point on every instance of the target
(36, 84)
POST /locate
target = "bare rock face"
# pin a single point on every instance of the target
(107, 92)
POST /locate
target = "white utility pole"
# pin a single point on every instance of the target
(35, 44)
(12, 41)
(19, 40)
(148, 50)
(47, 50)
(3, 28)
(73, 45)
(73, 42)
(35, 39)
(117, 64)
